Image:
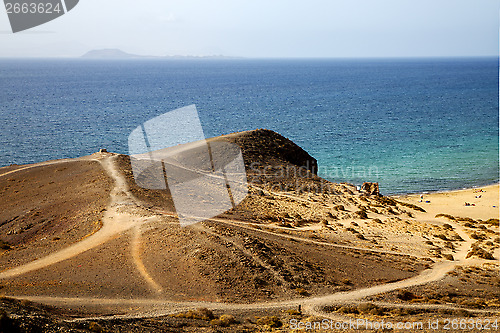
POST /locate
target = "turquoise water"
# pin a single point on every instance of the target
(412, 125)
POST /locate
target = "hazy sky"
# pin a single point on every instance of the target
(265, 28)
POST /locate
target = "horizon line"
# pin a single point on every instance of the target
(223, 57)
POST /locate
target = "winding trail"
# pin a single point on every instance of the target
(118, 219)
(136, 255)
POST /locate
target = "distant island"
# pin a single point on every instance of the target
(118, 54)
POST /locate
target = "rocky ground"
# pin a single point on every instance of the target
(81, 236)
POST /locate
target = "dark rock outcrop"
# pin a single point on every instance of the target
(370, 188)
(268, 147)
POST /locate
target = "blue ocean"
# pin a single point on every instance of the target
(413, 125)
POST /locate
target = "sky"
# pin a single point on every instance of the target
(265, 29)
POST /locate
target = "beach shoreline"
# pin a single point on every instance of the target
(477, 202)
(497, 183)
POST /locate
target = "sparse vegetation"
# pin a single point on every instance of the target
(361, 214)
(7, 324)
(406, 295)
(302, 292)
(202, 313)
(412, 206)
(448, 257)
(225, 320)
(95, 327)
(479, 252)
(293, 312)
(479, 236)
(442, 236)
(386, 201)
(5, 245)
(271, 321)
(448, 216)
(465, 219)
(493, 222)
(347, 282)
(348, 309)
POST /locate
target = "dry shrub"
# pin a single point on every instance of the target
(271, 321)
(202, 313)
(448, 257)
(442, 236)
(465, 219)
(361, 214)
(293, 312)
(474, 303)
(95, 327)
(302, 292)
(448, 216)
(365, 307)
(479, 252)
(406, 295)
(225, 320)
(7, 324)
(347, 282)
(412, 206)
(493, 222)
(386, 201)
(476, 235)
(5, 245)
(348, 309)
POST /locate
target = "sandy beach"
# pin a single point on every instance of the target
(484, 202)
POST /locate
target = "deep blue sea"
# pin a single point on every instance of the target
(412, 125)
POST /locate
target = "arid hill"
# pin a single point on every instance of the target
(81, 234)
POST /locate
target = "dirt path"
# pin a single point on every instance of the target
(436, 273)
(119, 218)
(113, 225)
(116, 220)
(311, 306)
(136, 255)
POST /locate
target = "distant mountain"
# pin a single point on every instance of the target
(119, 54)
(110, 54)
